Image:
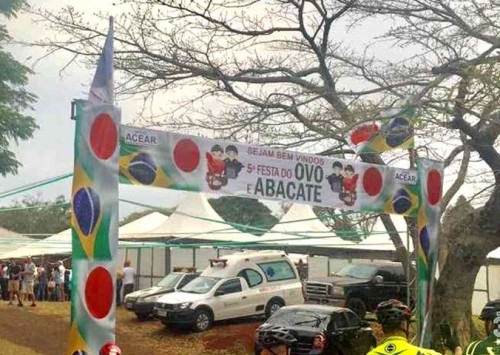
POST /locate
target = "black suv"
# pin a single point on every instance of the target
(359, 286)
(142, 302)
(314, 329)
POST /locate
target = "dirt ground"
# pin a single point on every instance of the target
(43, 330)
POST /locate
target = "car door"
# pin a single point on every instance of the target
(255, 301)
(228, 301)
(343, 336)
(348, 335)
(361, 336)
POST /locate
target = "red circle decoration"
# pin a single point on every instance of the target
(186, 155)
(110, 349)
(103, 136)
(372, 181)
(434, 186)
(99, 292)
(363, 133)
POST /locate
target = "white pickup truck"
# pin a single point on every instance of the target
(238, 285)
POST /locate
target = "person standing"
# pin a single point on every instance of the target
(128, 278)
(1, 278)
(42, 284)
(29, 279)
(58, 282)
(5, 282)
(67, 285)
(119, 284)
(62, 272)
(14, 278)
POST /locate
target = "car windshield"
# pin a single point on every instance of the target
(170, 280)
(303, 317)
(357, 271)
(200, 285)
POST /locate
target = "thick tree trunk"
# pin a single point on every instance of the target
(467, 249)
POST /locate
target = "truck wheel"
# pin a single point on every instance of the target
(202, 320)
(142, 316)
(357, 306)
(272, 306)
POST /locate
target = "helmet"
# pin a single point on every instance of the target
(491, 310)
(392, 312)
(110, 349)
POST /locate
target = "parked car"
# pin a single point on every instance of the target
(142, 302)
(237, 285)
(359, 286)
(314, 329)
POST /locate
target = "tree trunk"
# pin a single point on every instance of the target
(467, 249)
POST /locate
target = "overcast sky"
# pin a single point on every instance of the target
(50, 153)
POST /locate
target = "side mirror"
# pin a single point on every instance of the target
(378, 279)
(339, 333)
(219, 293)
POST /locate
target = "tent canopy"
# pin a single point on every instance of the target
(11, 240)
(60, 243)
(57, 244)
(306, 229)
(142, 226)
(194, 218)
(495, 254)
(300, 221)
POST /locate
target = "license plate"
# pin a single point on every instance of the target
(161, 313)
(277, 350)
(128, 305)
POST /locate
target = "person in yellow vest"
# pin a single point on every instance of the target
(394, 316)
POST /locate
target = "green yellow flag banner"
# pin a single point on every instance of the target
(392, 129)
(181, 162)
(95, 230)
(430, 175)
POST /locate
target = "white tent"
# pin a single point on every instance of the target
(57, 244)
(11, 240)
(301, 227)
(495, 254)
(60, 243)
(378, 240)
(142, 226)
(194, 218)
(300, 221)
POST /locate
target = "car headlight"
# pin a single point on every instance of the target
(337, 290)
(148, 299)
(184, 305)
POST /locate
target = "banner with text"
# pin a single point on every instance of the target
(181, 162)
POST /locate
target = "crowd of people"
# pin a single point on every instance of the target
(24, 281)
